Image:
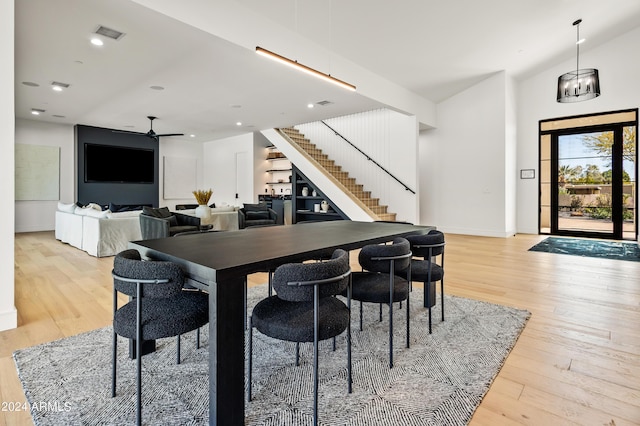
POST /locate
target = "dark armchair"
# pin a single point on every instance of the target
(161, 223)
(256, 215)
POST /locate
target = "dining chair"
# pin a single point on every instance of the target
(429, 268)
(159, 307)
(378, 283)
(304, 309)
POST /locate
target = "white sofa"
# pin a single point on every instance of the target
(99, 233)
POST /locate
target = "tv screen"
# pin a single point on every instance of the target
(118, 164)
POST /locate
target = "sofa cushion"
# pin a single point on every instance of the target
(68, 208)
(99, 214)
(260, 222)
(162, 212)
(255, 208)
(173, 221)
(253, 215)
(124, 207)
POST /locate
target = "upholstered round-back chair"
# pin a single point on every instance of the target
(159, 307)
(378, 282)
(305, 309)
(429, 268)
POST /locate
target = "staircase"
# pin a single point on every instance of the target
(349, 184)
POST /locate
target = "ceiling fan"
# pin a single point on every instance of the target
(151, 134)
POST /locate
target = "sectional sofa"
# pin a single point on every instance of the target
(98, 232)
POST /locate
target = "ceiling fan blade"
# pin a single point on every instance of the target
(171, 134)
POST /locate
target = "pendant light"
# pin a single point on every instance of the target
(581, 84)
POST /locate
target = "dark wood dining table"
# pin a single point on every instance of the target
(218, 262)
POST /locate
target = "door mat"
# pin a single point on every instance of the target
(590, 248)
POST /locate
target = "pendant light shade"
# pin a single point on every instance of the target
(581, 84)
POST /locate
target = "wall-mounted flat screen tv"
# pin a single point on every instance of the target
(118, 164)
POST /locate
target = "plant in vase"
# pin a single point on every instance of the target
(203, 197)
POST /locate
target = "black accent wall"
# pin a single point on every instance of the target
(104, 193)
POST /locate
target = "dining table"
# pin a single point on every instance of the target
(219, 262)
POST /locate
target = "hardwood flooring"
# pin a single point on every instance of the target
(576, 363)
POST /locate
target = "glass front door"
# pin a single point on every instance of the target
(595, 187)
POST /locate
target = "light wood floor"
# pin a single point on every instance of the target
(577, 361)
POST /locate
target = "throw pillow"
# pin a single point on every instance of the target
(162, 212)
(252, 215)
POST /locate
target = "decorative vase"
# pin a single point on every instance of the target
(314, 193)
(305, 191)
(203, 211)
(324, 206)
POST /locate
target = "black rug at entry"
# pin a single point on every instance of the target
(440, 380)
(590, 248)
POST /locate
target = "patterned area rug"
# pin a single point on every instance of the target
(590, 248)
(440, 380)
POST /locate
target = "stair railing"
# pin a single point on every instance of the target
(368, 157)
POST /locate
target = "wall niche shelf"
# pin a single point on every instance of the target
(279, 181)
(303, 206)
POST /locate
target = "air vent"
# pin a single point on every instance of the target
(324, 103)
(108, 32)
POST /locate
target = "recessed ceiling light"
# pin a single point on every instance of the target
(96, 41)
(239, 123)
(58, 86)
(36, 111)
(30, 84)
(58, 116)
(309, 105)
(156, 87)
(192, 136)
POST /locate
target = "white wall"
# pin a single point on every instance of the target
(219, 159)
(8, 313)
(40, 215)
(468, 186)
(619, 66)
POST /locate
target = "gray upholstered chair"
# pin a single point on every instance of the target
(377, 283)
(161, 223)
(159, 307)
(256, 215)
(427, 269)
(304, 309)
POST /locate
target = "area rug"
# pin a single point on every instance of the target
(440, 380)
(590, 248)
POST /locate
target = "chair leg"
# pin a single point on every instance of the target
(349, 377)
(250, 366)
(245, 302)
(178, 349)
(139, 357)
(316, 334)
(297, 354)
(361, 315)
(390, 320)
(115, 348)
(442, 297)
(428, 299)
(334, 343)
(198, 338)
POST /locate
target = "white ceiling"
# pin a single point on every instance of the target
(433, 48)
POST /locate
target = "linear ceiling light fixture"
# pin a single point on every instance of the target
(581, 84)
(304, 68)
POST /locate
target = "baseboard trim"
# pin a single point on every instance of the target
(9, 319)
